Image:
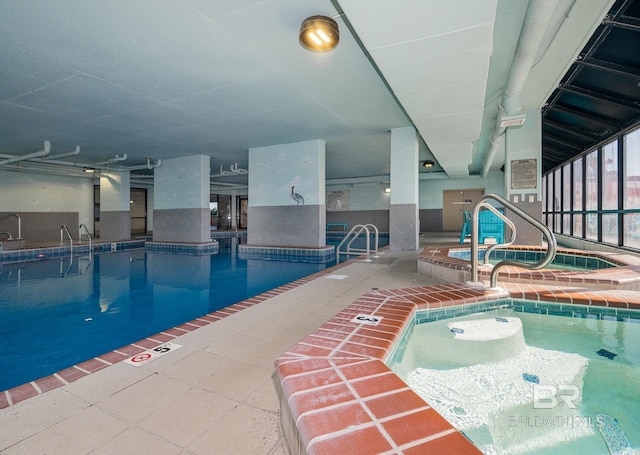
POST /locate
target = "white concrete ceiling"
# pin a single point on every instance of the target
(168, 78)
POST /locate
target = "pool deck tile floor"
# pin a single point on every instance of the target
(219, 393)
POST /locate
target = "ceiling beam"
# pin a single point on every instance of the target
(550, 151)
(564, 142)
(592, 118)
(622, 24)
(572, 129)
(600, 97)
(610, 67)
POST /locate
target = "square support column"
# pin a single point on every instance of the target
(522, 172)
(181, 200)
(404, 220)
(287, 195)
(115, 209)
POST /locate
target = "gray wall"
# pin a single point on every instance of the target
(379, 218)
(39, 227)
(430, 220)
(287, 225)
(526, 234)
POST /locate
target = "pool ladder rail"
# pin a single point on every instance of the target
(481, 203)
(353, 234)
(19, 226)
(65, 230)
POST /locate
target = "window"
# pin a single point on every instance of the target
(597, 195)
(577, 197)
(545, 201)
(591, 203)
(610, 192)
(566, 199)
(631, 197)
(557, 195)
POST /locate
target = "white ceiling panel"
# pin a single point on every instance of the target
(170, 78)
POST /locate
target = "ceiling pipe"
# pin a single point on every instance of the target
(234, 170)
(113, 160)
(40, 153)
(48, 168)
(74, 152)
(51, 158)
(537, 19)
(149, 165)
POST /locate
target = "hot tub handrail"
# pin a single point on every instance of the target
(19, 223)
(504, 218)
(551, 239)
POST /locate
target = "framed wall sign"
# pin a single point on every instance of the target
(524, 174)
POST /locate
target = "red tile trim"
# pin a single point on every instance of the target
(335, 404)
(344, 399)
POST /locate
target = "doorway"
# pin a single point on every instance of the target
(454, 202)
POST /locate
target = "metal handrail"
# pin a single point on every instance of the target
(375, 251)
(64, 229)
(551, 239)
(359, 228)
(80, 235)
(19, 223)
(8, 234)
(512, 226)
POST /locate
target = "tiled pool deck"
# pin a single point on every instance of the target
(218, 393)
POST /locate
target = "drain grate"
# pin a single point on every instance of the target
(608, 354)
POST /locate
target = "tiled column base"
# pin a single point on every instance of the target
(287, 226)
(323, 254)
(182, 225)
(403, 227)
(182, 248)
(115, 225)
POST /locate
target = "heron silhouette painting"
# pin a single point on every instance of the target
(296, 197)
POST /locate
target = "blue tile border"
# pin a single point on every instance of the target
(182, 248)
(527, 306)
(321, 254)
(227, 234)
(36, 254)
(574, 260)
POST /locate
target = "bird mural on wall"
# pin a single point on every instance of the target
(296, 197)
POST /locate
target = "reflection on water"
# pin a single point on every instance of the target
(60, 312)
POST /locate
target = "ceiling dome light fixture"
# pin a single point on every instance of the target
(319, 34)
(428, 163)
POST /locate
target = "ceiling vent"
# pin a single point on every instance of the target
(513, 120)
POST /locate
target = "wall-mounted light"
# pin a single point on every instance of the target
(428, 164)
(319, 34)
(387, 190)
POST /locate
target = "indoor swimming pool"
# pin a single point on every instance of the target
(56, 313)
(518, 382)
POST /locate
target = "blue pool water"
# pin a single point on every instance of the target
(481, 372)
(57, 313)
